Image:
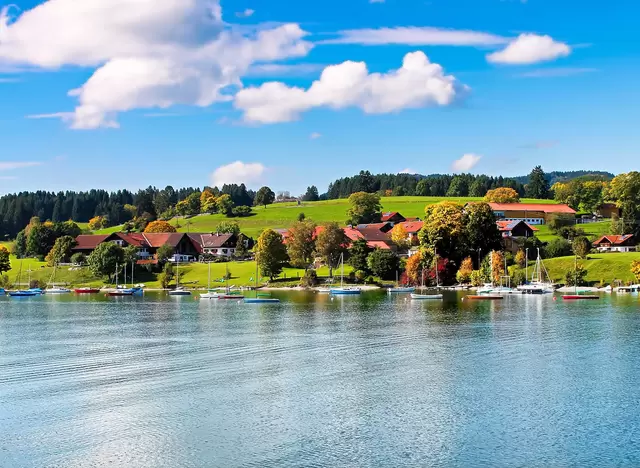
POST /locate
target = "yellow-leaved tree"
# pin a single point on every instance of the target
(497, 266)
(443, 230)
(400, 237)
(464, 273)
(635, 269)
(98, 222)
(502, 195)
(414, 267)
(159, 226)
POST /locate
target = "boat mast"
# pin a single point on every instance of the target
(575, 276)
(341, 269)
(435, 251)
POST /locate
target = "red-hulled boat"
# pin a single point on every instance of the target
(484, 297)
(578, 297)
(86, 291)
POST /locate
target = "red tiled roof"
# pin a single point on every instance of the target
(614, 240)
(211, 241)
(372, 233)
(353, 233)
(159, 239)
(387, 216)
(546, 208)
(89, 241)
(379, 245)
(412, 227)
(509, 225)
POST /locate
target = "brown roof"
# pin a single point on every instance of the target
(373, 233)
(159, 239)
(211, 241)
(544, 207)
(509, 225)
(89, 241)
(389, 215)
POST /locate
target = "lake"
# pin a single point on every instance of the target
(371, 381)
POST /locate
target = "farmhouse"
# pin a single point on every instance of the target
(187, 247)
(611, 243)
(531, 213)
(515, 229)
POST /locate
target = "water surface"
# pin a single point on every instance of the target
(371, 381)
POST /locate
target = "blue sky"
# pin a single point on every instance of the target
(522, 83)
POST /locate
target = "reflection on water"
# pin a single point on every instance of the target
(319, 381)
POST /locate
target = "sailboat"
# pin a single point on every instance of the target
(506, 287)
(260, 298)
(540, 281)
(344, 290)
(22, 292)
(34, 290)
(210, 294)
(179, 291)
(423, 297)
(120, 292)
(575, 295)
(52, 288)
(400, 289)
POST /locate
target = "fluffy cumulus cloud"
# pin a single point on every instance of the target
(466, 162)
(530, 48)
(418, 83)
(417, 36)
(238, 172)
(147, 54)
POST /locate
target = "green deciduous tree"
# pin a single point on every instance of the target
(364, 208)
(271, 253)
(103, 260)
(383, 263)
(264, 197)
(242, 246)
(164, 253)
(331, 245)
(61, 250)
(444, 230)
(358, 254)
(581, 246)
(576, 276)
(481, 230)
(224, 204)
(228, 227)
(301, 243)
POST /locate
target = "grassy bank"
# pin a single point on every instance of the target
(192, 275)
(282, 215)
(592, 230)
(604, 267)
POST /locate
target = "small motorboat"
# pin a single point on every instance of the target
(323, 290)
(346, 291)
(36, 291)
(86, 291)
(24, 293)
(56, 290)
(180, 291)
(426, 297)
(120, 293)
(579, 297)
(401, 290)
(484, 297)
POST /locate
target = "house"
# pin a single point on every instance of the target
(412, 228)
(216, 244)
(608, 211)
(392, 217)
(377, 235)
(515, 229)
(611, 243)
(187, 247)
(531, 213)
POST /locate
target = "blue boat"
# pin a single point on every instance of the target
(261, 300)
(27, 293)
(2, 292)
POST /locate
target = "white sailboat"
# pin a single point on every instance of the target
(344, 290)
(423, 297)
(179, 291)
(261, 298)
(400, 289)
(540, 281)
(52, 288)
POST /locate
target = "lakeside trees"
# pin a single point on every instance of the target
(159, 227)
(271, 253)
(265, 196)
(104, 259)
(5, 261)
(331, 245)
(301, 243)
(364, 208)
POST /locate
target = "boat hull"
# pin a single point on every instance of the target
(258, 300)
(426, 297)
(400, 290)
(23, 294)
(86, 291)
(484, 297)
(577, 297)
(179, 293)
(345, 292)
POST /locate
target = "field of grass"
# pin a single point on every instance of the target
(193, 275)
(282, 215)
(592, 230)
(601, 267)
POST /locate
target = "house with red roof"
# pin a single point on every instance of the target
(613, 243)
(392, 217)
(530, 213)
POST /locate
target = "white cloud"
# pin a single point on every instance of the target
(246, 13)
(417, 36)
(418, 83)
(238, 173)
(557, 72)
(530, 48)
(315, 135)
(147, 54)
(466, 162)
(11, 165)
(284, 69)
(408, 171)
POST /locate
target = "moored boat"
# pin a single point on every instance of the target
(426, 297)
(86, 290)
(179, 291)
(344, 290)
(23, 293)
(484, 297)
(579, 297)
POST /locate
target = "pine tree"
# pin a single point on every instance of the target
(538, 186)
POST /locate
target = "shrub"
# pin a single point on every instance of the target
(241, 211)
(78, 258)
(309, 279)
(557, 248)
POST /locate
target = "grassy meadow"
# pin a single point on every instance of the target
(282, 215)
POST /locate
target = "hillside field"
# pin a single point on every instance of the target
(282, 215)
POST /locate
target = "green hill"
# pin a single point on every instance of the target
(282, 215)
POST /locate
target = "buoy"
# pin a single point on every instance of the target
(555, 298)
